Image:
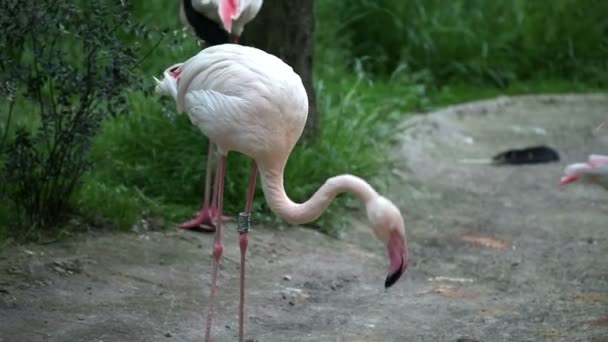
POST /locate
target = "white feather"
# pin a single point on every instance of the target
(242, 98)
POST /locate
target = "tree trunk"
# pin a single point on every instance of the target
(285, 28)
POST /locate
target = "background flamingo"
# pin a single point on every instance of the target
(595, 170)
(204, 17)
(249, 101)
(213, 21)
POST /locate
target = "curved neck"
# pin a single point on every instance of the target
(298, 213)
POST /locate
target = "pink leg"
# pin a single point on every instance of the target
(208, 175)
(243, 241)
(218, 248)
(214, 205)
(205, 218)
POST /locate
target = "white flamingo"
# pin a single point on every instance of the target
(248, 101)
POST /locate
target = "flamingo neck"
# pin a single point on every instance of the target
(299, 213)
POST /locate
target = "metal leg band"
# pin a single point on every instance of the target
(244, 223)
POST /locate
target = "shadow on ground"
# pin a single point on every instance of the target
(498, 253)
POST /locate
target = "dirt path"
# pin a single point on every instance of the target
(543, 275)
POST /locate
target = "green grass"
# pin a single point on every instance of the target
(376, 61)
(476, 41)
(461, 92)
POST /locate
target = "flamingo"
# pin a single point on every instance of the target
(248, 101)
(204, 17)
(595, 170)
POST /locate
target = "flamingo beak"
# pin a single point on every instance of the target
(227, 11)
(567, 180)
(397, 253)
(158, 83)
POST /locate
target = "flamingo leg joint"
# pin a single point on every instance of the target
(244, 223)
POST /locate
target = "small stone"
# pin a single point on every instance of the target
(227, 327)
(287, 277)
(80, 318)
(292, 303)
(168, 334)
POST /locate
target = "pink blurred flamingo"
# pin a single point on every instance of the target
(213, 21)
(249, 101)
(595, 170)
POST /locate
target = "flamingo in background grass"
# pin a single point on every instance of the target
(213, 21)
(248, 101)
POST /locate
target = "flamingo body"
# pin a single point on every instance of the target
(241, 106)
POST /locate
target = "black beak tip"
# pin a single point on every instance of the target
(391, 279)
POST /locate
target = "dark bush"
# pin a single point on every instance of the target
(64, 67)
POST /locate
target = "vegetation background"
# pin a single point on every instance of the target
(375, 62)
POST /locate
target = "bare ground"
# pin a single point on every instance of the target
(498, 253)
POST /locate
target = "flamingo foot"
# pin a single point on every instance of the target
(205, 221)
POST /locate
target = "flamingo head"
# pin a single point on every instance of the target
(388, 227)
(168, 85)
(574, 172)
(235, 14)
